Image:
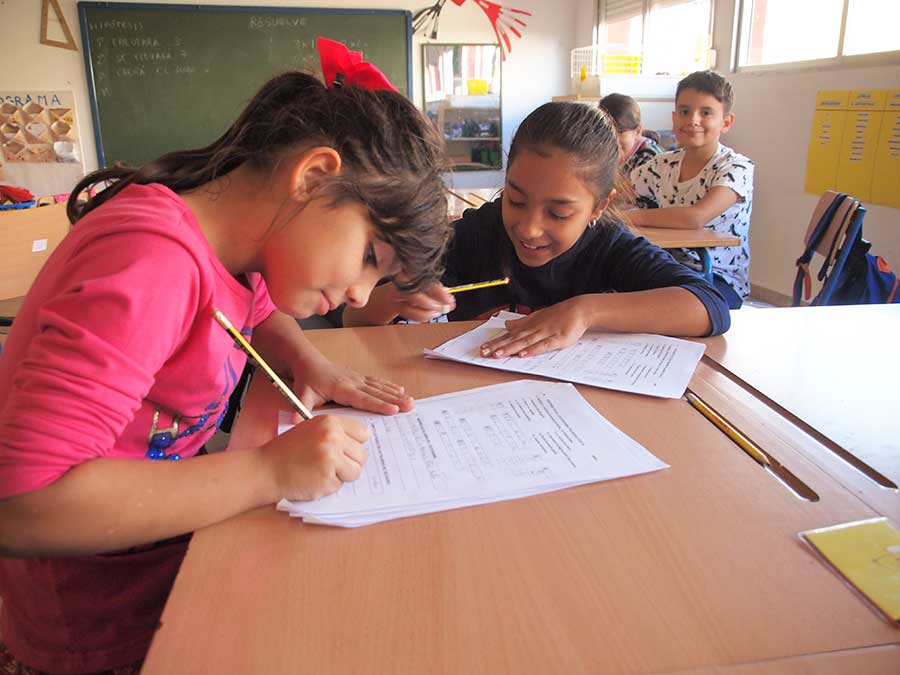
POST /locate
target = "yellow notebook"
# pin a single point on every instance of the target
(867, 554)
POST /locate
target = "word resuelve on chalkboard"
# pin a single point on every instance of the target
(169, 77)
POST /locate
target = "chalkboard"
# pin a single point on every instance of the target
(172, 77)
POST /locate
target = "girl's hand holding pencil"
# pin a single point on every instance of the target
(387, 302)
(436, 300)
(314, 458)
(422, 306)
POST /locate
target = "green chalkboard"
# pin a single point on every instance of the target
(171, 77)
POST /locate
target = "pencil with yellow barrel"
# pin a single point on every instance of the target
(479, 284)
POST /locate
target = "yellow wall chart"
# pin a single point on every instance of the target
(886, 180)
(854, 145)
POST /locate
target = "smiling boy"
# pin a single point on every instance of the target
(703, 183)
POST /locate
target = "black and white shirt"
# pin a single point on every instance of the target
(646, 150)
(657, 182)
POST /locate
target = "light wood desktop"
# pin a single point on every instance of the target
(880, 660)
(699, 240)
(27, 238)
(675, 238)
(697, 566)
(836, 372)
(9, 307)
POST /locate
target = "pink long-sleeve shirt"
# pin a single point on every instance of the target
(114, 353)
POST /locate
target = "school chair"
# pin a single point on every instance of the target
(27, 238)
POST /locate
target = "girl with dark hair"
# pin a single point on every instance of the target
(116, 372)
(636, 145)
(554, 232)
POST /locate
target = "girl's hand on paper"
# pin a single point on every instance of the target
(424, 305)
(316, 457)
(545, 330)
(321, 381)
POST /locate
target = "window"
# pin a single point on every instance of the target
(654, 37)
(787, 31)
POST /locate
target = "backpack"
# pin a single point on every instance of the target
(850, 274)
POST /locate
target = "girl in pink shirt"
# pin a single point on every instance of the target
(115, 372)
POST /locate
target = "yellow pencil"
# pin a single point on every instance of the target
(480, 284)
(742, 441)
(279, 384)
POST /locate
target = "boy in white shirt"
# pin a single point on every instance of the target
(702, 183)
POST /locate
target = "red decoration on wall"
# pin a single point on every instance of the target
(504, 20)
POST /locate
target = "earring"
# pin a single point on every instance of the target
(592, 223)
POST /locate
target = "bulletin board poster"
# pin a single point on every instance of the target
(854, 145)
(39, 146)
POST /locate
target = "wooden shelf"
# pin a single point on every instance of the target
(463, 149)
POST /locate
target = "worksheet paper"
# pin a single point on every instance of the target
(655, 365)
(478, 446)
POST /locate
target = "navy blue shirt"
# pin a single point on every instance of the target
(607, 258)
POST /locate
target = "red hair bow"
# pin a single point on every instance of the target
(341, 65)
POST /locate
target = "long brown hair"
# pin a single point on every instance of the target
(391, 155)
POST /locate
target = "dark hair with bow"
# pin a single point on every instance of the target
(391, 155)
(341, 66)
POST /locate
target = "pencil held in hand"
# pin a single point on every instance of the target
(276, 381)
(477, 285)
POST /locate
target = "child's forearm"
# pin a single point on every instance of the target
(380, 310)
(666, 311)
(112, 504)
(715, 202)
(673, 217)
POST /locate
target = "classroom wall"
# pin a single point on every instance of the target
(774, 112)
(536, 68)
(774, 109)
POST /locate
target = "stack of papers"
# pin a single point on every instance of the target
(478, 446)
(642, 364)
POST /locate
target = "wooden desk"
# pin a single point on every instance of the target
(9, 307)
(692, 567)
(27, 238)
(699, 240)
(835, 371)
(881, 660)
(670, 238)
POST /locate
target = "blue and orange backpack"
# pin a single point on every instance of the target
(850, 274)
